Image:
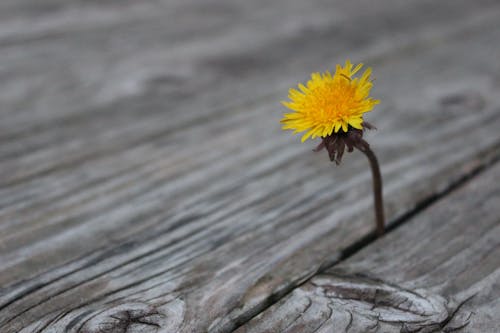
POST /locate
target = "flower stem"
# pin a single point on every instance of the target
(377, 188)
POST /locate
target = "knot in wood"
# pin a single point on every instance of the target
(370, 302)
(127, 318)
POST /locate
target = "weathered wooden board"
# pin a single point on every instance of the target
(132, 80)
(439, 272)
(144, 175)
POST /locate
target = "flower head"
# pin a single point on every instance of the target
(330, 103)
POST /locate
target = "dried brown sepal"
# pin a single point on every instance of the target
(336, 143)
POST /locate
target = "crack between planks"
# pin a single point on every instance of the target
(486, 159)
(367, 240)
(489, 158)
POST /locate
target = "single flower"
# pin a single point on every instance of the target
(330, 103)
(331, 107)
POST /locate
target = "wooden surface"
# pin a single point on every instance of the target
(438, 272)
(146, 185)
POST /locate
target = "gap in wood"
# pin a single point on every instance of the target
(487, 159)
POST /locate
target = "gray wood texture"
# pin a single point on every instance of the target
(145, 184)
(438, 272)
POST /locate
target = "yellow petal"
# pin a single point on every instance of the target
(329, 102)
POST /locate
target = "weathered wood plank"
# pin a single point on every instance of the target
(125, 208)
(126, 97)
(439, 272)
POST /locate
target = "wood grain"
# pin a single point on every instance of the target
(145, 182)
(439, 272)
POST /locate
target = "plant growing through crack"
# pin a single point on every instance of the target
(331, 107)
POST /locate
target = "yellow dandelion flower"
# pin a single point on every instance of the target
(330, 103)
